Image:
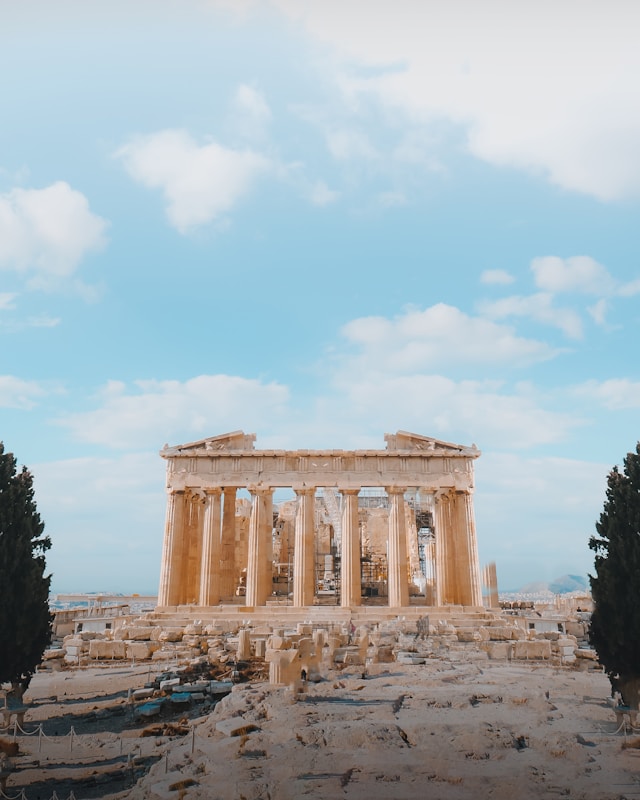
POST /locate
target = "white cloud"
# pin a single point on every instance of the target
(496, 276)
(598, 311)
(350, 145)
(439, 335)
(580, 275)
(18, 393)
(251, 114)
(199, 183)
(575, 274)
(464, 411)
(535, 306)
(629, 289)
(322, 195)
(6, 301)
(168, 411)
(544, 87)
(46, 233)
(615, 394)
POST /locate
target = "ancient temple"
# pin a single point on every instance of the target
(393, 526)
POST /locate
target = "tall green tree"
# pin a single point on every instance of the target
(25, 620)
(615, 623)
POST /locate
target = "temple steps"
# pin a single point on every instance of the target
(284, 616)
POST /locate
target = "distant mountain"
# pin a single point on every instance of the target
(561, 585)
(568, 583)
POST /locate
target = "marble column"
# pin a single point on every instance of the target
(468, 563)
(458, 567)
(490, 582)
(397, 561)
(171, 569)
(259, 565)
(350, 573)
(210, 561)
(192, 550)
(445, 554)
(304, 583)
(228, 577)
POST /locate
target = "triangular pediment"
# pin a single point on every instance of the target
(404, 440)
(236, 440)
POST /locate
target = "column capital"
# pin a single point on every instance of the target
(395, 489)
(260, 491)
(349, 492)
(304, 490)
(213, 490)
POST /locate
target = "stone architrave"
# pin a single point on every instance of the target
(350, 573)
(303, 553)
(417, 465)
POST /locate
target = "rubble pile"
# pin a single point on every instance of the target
(238, 652)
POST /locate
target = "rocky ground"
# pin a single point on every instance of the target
(459, 727)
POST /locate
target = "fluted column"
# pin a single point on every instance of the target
(304, 585)
(398, 582)
(458, 566)
(350, 574)
(210, 560)
(228, 544)
(171, 568)
(468, 563)
(445, 561)
(259, 565)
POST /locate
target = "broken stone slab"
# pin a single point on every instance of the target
(171, 635)
(169, 683)
(141, 650)
(219, 687)
(142, 694)
(497, 651)
(235, 726)
(197, 686)
(101, 648)
(409, 658)
(139, 634)
(532, 650)
(48, 655)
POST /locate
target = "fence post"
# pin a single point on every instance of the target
(40, 738)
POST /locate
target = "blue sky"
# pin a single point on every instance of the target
(318, 222)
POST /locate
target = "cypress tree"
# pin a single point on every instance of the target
(615, 623)
(25, 619)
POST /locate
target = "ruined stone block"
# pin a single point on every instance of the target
(141, 650)
(102, 648)
(497, 651)
(171, 635)
(540, 648)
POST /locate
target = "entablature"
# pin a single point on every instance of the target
(410, 460)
